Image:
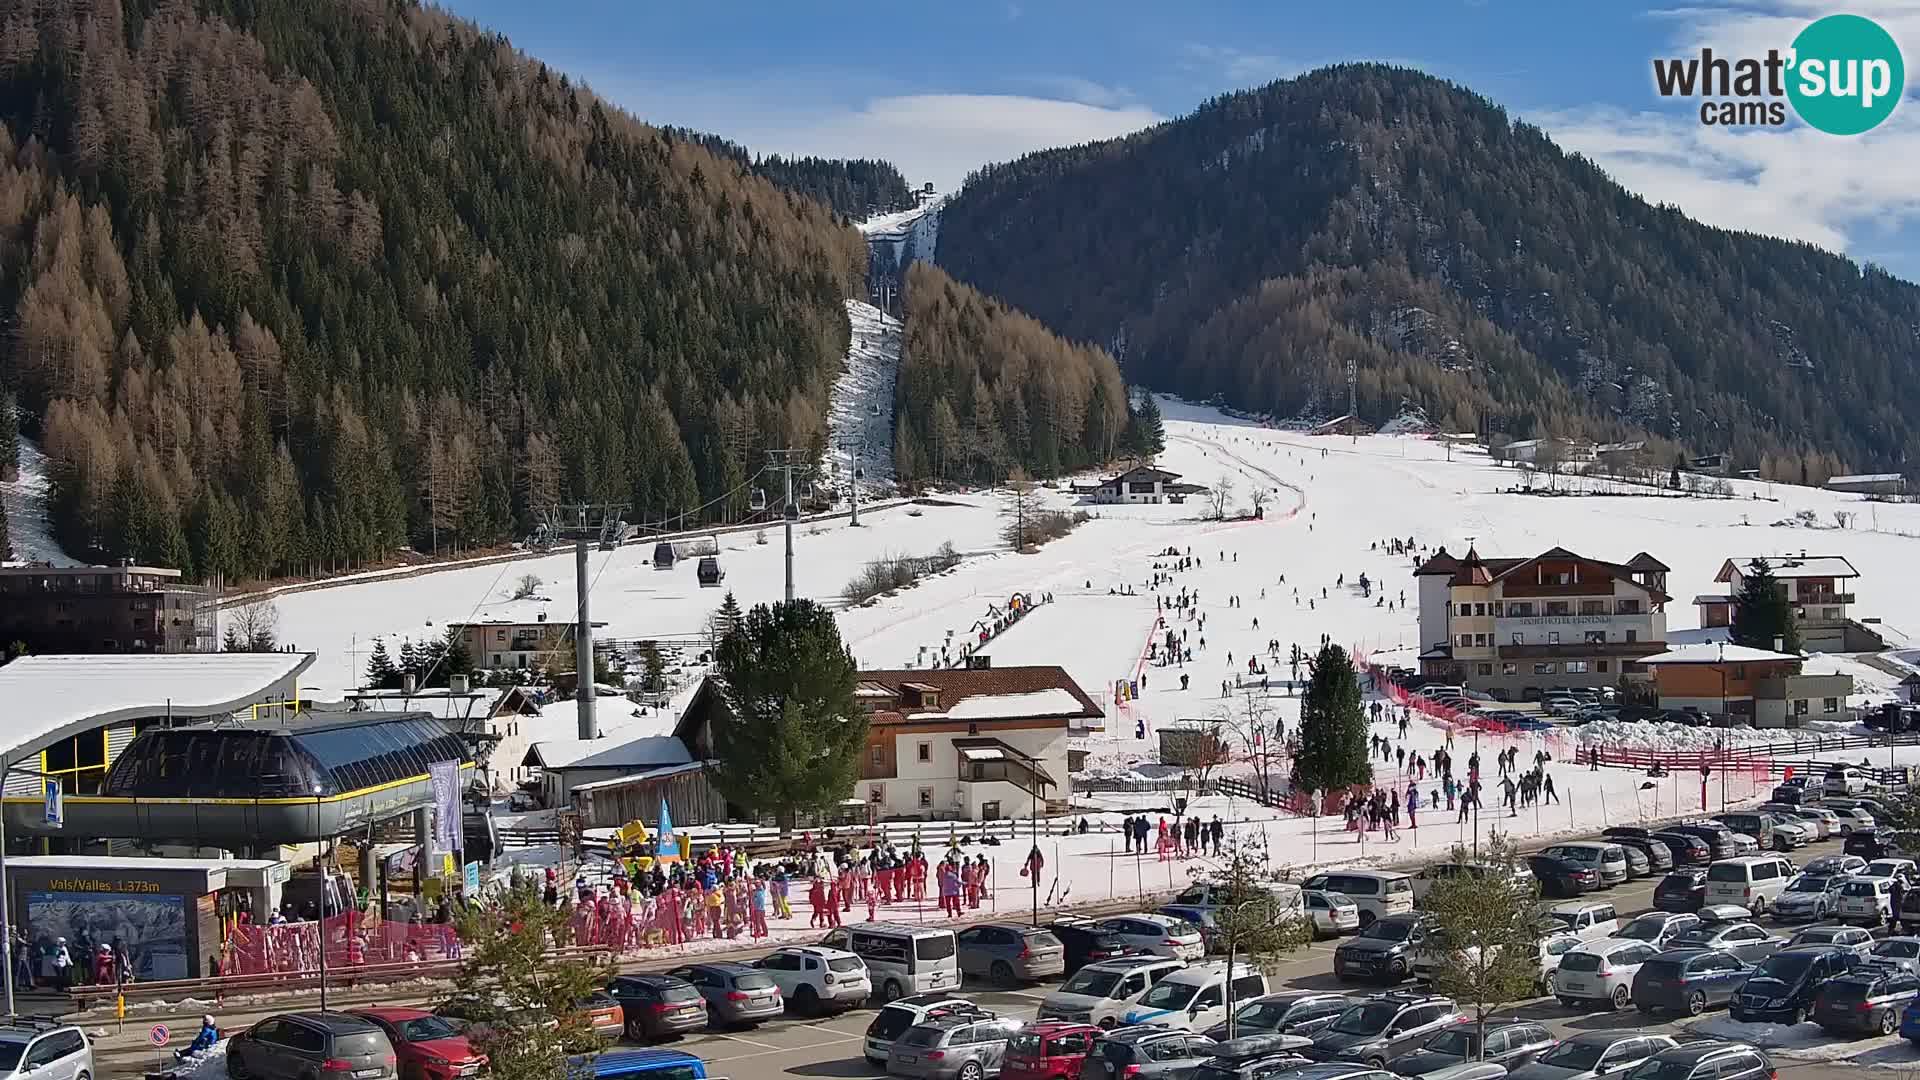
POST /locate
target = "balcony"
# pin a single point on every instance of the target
(1829, 598)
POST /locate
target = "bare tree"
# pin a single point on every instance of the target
(1550, 459)
(527, 587)
(1260, 497)
(1220, 497)
(1019, 505)
(1209, 751)
(252, 627)
(1257, 736)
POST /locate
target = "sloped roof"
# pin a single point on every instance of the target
(1790, 566)
(611, 752)
(1144, 472)
(1707, 653)
(58, 696)
(956, 685)
(1473, 570)
(1644, 561)
(1439, 563)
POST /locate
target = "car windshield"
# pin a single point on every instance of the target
(1388, 929)
(923, 1036)
(1859, 888)
(1339, 899)
(1369, 1019)
(1902, 949)
(1170, 994)
(10, 1053)
(1263, 1014)
(1819, 935)
(1580, 961)
(1703, 936)
(1882, 868)
(1574, 854)
(1808, 883)
(1787, 967)
(1642, 929)
(890, 1021)
(759, 980)
(1093, 982)
(676, 992)
(1564, 918)
(1577, 1056)
(426, 1029)
(1456, 1041)
(1727, 871)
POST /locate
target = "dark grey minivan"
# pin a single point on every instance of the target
(311, 1046)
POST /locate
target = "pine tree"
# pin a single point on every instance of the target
(529, 1020)
(6, 544)
(381, 673)
(1485, 923)
(1762, 613)
(456, 659)
(9, 438)
(1333, 726)
(790, 738)
(653, 667)
(1152, 438)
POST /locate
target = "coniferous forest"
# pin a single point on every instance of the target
(285, 286)
(1461, 261)
(856, 189)
(984, 388)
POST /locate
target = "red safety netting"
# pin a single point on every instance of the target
(352, 939)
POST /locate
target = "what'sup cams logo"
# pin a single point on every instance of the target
(1842, 75)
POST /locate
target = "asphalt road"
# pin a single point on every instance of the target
(807, 1047)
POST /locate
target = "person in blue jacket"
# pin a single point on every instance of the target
(202, 1042)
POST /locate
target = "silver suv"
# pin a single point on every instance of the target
(50, 1051)
(952, 1048)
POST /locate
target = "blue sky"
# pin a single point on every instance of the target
(941, 88)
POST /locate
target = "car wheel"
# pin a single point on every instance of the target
(1622, 997)
(889, 991)
(236, 1070)
(1397, 971)
(1888, 1023)
(1106, 1024)
(1002, 973)
(1376, 1063)
(1696, 1003)
(636, 1032)
(970, 1071)
(806, 1001)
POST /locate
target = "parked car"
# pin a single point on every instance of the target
(1607, 857)
(1254, 1057)
(1592, 1054)
(1425, 879)
(1781, 987)
(1658, 855)
(1656, 928)
(1379, 893)
(1910, 1022)
(1717, 837)
(740, 994)
(1048, 1050)
(1383, 1027)
(1853, 817)
(1791, 834)
(1562, 878)
(1865, 900)
(1808, 897)
(1711, 1060)
(1195, 998)
(1745, 940)
(1590, 920)
(952, 1048)
(1852, 938)
(1638, 865)
(1900, 952)
(1869, 842)
(425, 1046)
(658, 1006)
(1290, 1012)
(1835, 866)
(1892, 866)
(1681, 890)
(1867, 1000)
(1789, 795)
(1752, 881)
(1382, 952)
(1085, 942)
(1202, 918)
(1601, 971)
(1099, 994)
(1510, 1043)
(1161, 935)
(1825, 823)
(1688, 980)
(1008, 953)
(896, 1016)
(1331, 913)
(312, 1046)
(52, 1050)
(1688, 849)
(814, 978)
(603, 1013)
(1146, 1053)
(1844, 780)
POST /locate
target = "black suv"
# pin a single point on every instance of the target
(1781, 988)
(311, 1046)
(1152, 1053)
(1709, 1060)
(1383, 1027)
(1511, 1043)
(1869, 844)
(1719, 838)
(1383, 951)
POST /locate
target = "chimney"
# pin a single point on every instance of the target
(456, 684)
(1779, 643)
(542, 617)
(408, 684)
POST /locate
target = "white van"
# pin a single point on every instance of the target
(1753, 882)
(1195, 998)
(1377, 893)
(1102, 992)
(1844, 780)
(1588, 920)
(901, 959)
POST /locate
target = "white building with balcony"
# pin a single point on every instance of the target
(1820, 588)
(1518, 627)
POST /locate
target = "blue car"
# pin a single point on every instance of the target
(1910, 1022)
(1688, 981)
(646, 1065)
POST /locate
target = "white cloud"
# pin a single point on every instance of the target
(1238, 67)
(941, 137)
(1794, 182)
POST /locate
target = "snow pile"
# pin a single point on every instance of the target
(26, 502)
(1803, 1042)
(1411, 421)
(860, 412)
(1682, 738)
(210, 1064)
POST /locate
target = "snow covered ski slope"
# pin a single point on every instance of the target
(860, 413)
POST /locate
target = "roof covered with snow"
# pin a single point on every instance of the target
(1715, 654)
(56, 696)
(1055, 702)
(1031, 686)
(608, 752)
(1790, 566)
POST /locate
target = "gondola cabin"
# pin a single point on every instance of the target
(664, 556)
(711, 575)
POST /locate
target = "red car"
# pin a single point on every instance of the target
(1048, 1050)
(429, 1048)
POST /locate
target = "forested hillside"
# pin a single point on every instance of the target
(286, 285)
(1461, 260)
(856, 189)
(984, 388)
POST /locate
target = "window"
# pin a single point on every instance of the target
(1739, 671)
(1831, 704)
(1546, 667)
(1553, 637)
(1479, 609)
(1626, 607)
(1830, 613)
(1519, 638)
(1520, 609)
(1487, 669)
(1498, 609)
(499, 635)
(1595, 637)
(1593, 607)
(1799, 706)
(1466, 640)
(1480, 640)
(1633, 635)
(925, 752)
(1509, 669)
(1558, 607)
(1576, 667)
(1601, 666)
(879, 755)
(926, 798)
